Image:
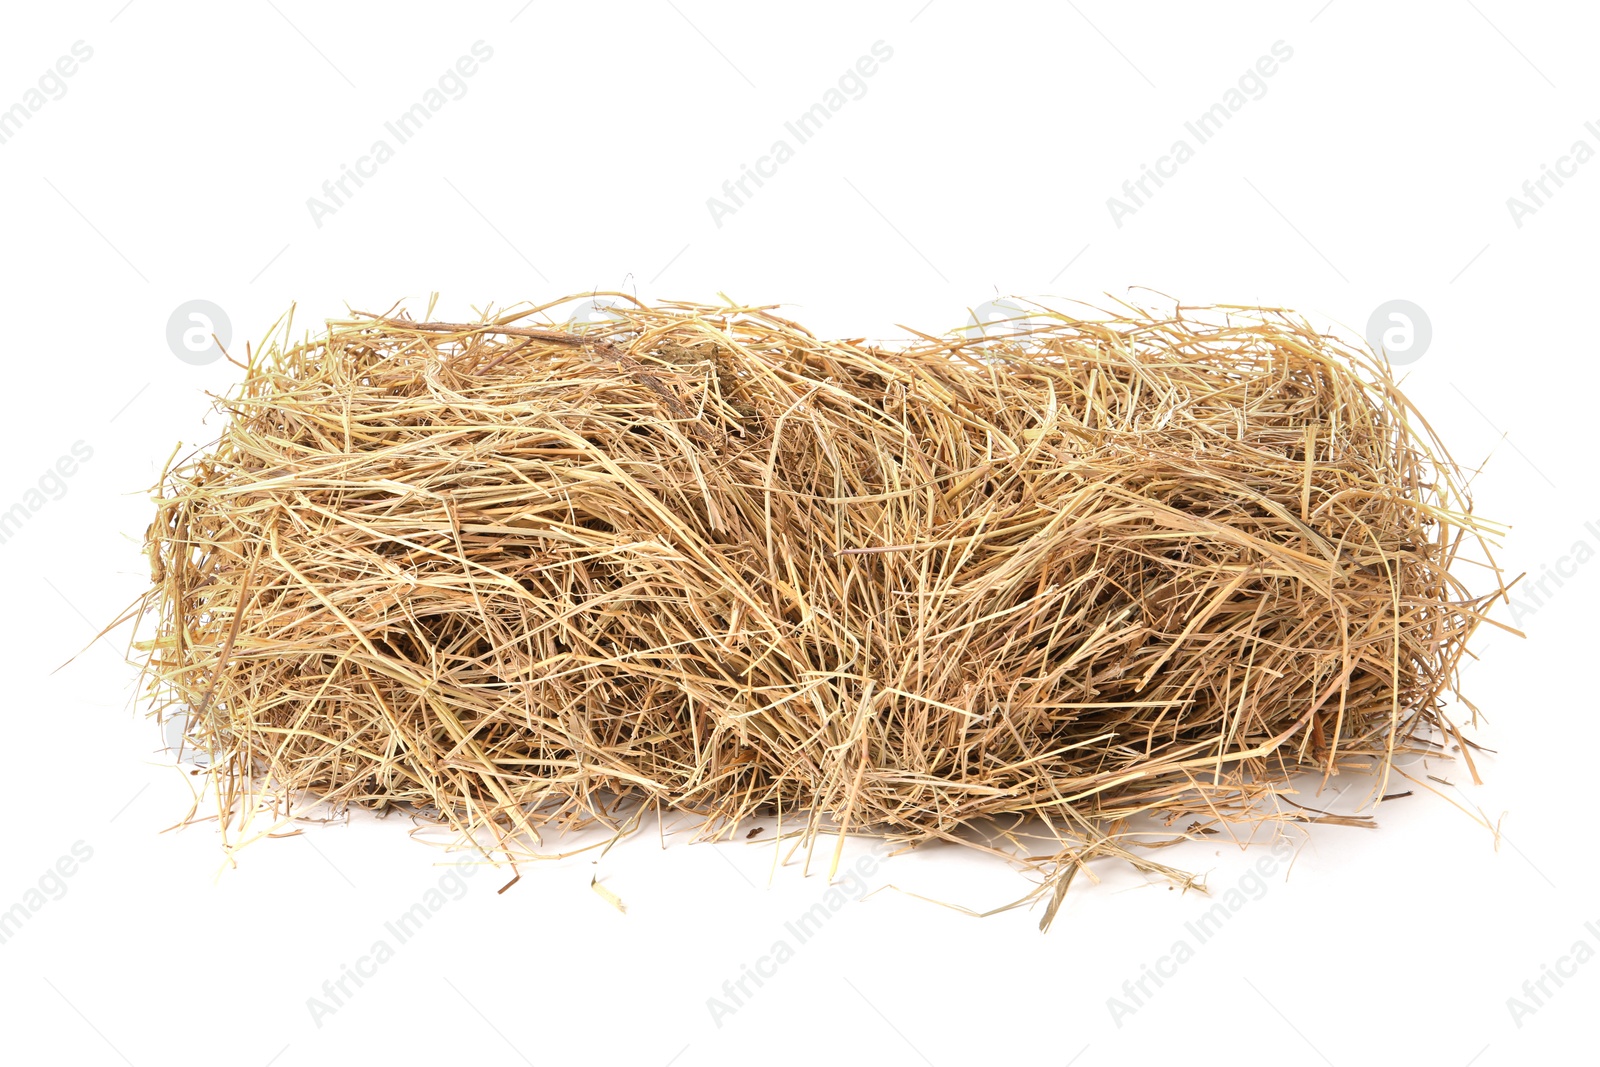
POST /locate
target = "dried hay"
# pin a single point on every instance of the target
(1021, 592)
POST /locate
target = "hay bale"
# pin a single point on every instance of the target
(697, 559)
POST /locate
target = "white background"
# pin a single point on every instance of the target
(177, 166)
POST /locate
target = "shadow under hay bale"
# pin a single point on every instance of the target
(696, 559)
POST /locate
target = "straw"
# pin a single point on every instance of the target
(1019, 592)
